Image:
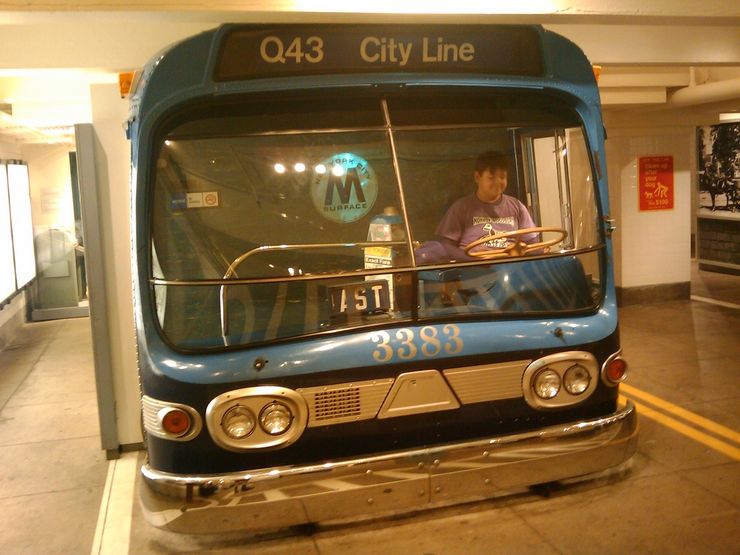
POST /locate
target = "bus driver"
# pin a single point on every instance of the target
(485, 212)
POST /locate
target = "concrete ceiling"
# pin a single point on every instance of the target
(664, 55)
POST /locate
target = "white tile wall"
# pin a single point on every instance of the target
(651, 247)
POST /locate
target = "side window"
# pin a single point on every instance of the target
(560, 184)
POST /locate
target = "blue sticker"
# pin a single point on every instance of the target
(178, 201)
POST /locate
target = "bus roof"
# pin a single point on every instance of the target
(239, 58)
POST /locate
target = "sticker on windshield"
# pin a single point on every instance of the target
(181, 201)
(344, 188)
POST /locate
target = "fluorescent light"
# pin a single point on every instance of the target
(7, 276)
(20, 212)
(728, 117)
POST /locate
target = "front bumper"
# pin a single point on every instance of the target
(273, 498)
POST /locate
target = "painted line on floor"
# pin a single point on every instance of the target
(708, 300)
(684, 429)
(688, 431)
(113, 529)
(103, 511)
(687, 415)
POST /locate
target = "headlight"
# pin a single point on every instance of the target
(256, 418)
(560, 380)
(275, 418)
(238, 422)
(547, 384)
(576, 379)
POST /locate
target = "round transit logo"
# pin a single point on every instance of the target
(344, 188)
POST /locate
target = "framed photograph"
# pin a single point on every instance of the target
(718, 164)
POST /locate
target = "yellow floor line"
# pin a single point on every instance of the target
(687, 415)
(112, 534)
(725, 304)
(688, 431)
(103, 511)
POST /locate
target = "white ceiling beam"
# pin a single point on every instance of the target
(706, 93)
(656, 44)
(660, 9)
(631, 96)
(644, 77)
(128, 40)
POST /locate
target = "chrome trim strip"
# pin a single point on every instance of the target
(549, 433)
(367, 272)
(231, 270)
(272, 498)
(304, 246)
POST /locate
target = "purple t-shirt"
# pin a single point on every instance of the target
(469, 219)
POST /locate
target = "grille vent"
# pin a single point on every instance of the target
(338, 403)
(345, 402)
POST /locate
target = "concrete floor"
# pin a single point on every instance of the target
(679, 494)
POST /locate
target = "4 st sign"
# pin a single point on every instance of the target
(365, 297)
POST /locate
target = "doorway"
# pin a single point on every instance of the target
(60, 289)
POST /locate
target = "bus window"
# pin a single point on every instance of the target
(292, 208)
(265, 204)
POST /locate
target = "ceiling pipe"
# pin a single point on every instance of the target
(706, 94)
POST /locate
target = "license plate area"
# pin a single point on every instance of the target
(362, 297)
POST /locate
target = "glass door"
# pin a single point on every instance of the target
(60, 290)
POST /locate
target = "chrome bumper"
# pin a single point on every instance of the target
(273, 498)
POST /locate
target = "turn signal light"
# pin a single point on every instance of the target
(616, 370)
(175, 421)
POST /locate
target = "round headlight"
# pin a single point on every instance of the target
(275, 418)
(238, 422)
(576, 379)
(547, 384)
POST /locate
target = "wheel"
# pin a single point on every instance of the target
(516, 248)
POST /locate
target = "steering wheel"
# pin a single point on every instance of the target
(516, 248)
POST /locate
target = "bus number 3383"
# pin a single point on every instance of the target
(405, 345)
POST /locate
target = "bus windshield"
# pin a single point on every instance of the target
(277, 218)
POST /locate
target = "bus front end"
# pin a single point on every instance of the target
(321, 336)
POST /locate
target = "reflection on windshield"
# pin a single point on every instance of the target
(319, 230)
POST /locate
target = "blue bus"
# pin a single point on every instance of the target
(373, 272)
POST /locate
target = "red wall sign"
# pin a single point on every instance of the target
(656, 183)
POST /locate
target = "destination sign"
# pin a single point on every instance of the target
(251, 52)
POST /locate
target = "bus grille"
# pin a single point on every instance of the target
(337, 403)
(348, 402)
